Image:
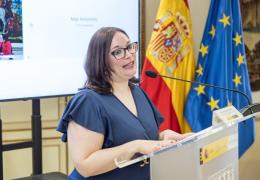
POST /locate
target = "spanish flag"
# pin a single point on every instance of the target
(170, 53)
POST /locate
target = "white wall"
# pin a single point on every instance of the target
(256, 97)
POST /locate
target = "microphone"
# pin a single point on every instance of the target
(153, 74)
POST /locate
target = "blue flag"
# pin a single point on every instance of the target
(221, 62)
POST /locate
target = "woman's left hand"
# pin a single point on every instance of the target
(171, 135)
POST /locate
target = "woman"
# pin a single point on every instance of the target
(112, 117)
(6, 45)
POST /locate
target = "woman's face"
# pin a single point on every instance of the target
(124, 67)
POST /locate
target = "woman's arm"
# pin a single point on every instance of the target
(85, 147)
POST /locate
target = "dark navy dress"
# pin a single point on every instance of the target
(106, 114)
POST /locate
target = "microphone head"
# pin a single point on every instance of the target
(151, 74)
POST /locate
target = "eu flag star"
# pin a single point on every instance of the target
(213, 103)
(212, 32)
(237, 80)
(200, 89)
(199, 70)
(225, 20)
(237, 39)
(240, 59)
(203, 49)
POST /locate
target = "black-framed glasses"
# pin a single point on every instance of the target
(120, 53)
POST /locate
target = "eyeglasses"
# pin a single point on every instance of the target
(120, 53)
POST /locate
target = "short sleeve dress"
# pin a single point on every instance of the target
(107, 115)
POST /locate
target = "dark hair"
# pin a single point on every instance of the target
(97, 66)
(5, 37)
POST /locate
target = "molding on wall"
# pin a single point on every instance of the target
(26, 125)
(21, 131)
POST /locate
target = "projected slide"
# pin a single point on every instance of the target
(11, 37)
(49, 49)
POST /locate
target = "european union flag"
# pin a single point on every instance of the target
(222, 62)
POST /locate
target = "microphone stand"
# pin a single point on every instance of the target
(249, 109)
(210, 85)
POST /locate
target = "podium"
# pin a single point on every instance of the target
(211, 154)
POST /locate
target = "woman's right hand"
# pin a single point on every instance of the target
(149, 146)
